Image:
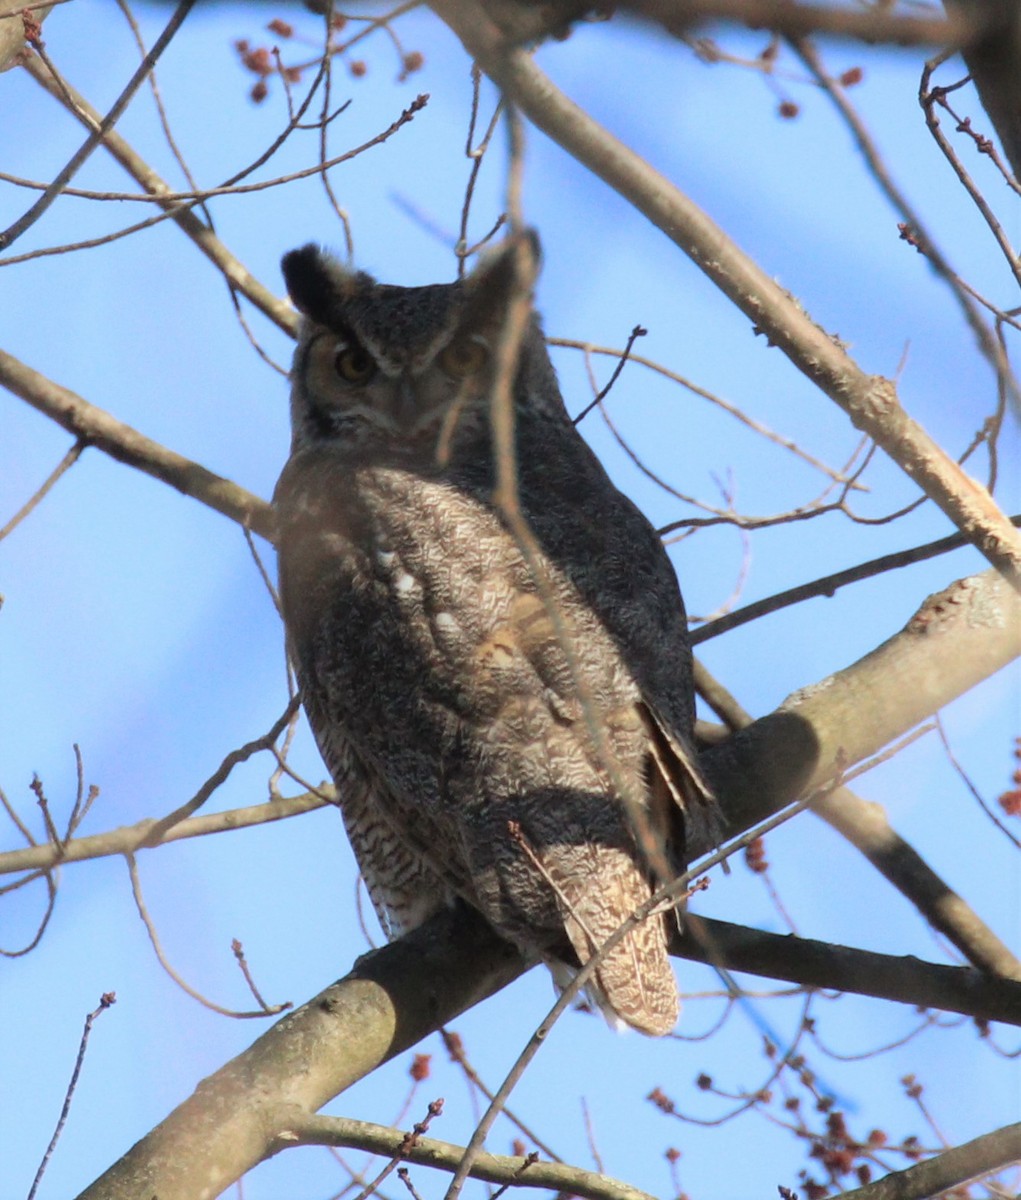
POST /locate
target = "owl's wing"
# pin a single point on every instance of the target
(677, 785)
(616, 560)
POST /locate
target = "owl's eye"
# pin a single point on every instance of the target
(355, 365)
(463, 357)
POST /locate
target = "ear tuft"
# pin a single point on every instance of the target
(315, 281)
(492, 282)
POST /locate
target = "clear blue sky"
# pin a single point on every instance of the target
(135, 624)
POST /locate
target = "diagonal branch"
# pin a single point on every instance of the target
(96, 427)
(817, 964)
(869, 401)
(936, 1176)
(873, 25)
(866, 826)
(64, 177)
(958, 637)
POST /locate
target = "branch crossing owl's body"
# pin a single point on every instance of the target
(505, 723)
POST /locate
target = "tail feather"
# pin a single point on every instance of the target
(634, 981)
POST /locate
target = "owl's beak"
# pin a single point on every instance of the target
(404, 404)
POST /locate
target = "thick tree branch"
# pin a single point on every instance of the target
(957, 638)
(816, 964)
(866, 826)
(869, 401)
(390, 1001)
(871, 25)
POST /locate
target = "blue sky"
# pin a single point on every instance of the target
(135, 624)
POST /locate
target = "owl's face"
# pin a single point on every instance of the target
(393, 367)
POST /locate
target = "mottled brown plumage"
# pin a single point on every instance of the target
(487, 720)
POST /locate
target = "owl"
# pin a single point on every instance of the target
(508, 720)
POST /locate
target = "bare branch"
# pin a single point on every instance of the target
(392, 999)
(28, 219)
(936, 1176)
(133, 837)
(873, 25)
(956, 639)
(105, 1001)
(869, 401)
(65, 464)
(427, 1152)
(817, 964)
(96, 427)
(827, 585)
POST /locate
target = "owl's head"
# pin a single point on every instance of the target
(401, 367)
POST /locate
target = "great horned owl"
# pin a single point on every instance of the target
(482, 710)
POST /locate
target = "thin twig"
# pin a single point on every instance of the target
(105, 1002)
(182, 983)
(64, 176)
(65, 464)
(827, 585)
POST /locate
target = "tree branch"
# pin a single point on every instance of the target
(936, 1176)
(129, 838)
(872, 25)
(957, 638)
(444, 1156)
(816, 964)
(392, 999)
(869, 401)
(866, 826)
(98, 428)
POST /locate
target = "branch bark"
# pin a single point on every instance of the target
(392, 999)
(129, 838)
(958, 637)
(815, 964)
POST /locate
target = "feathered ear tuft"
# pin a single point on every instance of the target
(492, 282)
(316, 281)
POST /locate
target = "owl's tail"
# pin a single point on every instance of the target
(633, 982)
